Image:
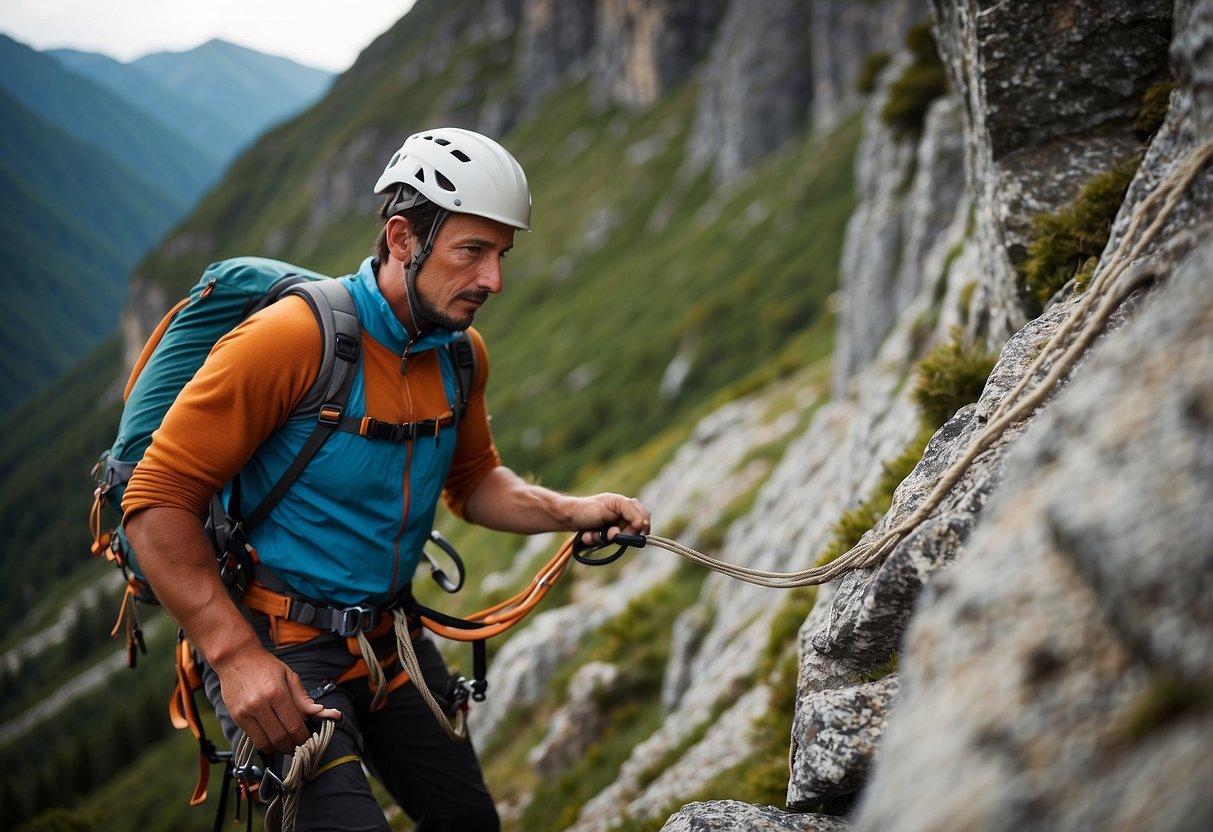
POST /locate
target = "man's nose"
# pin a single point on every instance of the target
(490, 277)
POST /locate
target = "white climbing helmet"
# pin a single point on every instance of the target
(463, 172)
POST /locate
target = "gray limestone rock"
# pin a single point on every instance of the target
(732, 815)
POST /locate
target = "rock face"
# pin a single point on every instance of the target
(1049, 674)
(1051, 614)
(1057, 677)
(1051, 93)
(643, 47)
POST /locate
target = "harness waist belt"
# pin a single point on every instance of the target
(346, 622)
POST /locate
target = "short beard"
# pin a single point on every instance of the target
(446, 321)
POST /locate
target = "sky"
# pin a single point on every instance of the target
(327, 34)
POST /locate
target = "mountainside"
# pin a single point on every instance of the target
(916, 289)
(95, 115)
(100, 159)
(246, 89)
(76, 221)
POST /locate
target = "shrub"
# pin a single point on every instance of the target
(1154, 106)
(1063, 241)
(950, 376)
(923, 81)
(872, 66)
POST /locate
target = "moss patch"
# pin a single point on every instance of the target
(1168, 700)
(1065, 240)
(1155, 103)
(950, 376)
(872, 66)
(923, 81)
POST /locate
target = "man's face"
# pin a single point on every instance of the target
(463, 269)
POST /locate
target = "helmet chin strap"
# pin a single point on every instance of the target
(410, 276)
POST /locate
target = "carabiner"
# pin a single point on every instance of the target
(623, 541)
(440, 577)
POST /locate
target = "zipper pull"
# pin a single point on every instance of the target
(404, 357)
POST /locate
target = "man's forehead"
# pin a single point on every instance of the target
(480, 229)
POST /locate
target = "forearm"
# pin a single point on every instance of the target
(506, 502)
(179, 563)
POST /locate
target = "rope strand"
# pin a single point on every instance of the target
(1106, 293)
(304, 764)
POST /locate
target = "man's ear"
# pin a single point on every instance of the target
(401, 241)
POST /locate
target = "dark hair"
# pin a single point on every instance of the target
(421, 217)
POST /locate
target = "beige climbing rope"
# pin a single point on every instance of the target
(456, 730)
(1110, 289)
(303, 765)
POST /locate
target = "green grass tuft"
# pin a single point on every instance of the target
(923, 81)
(872, 66)
(1155, 103)
(1065, 240)
(950, 376)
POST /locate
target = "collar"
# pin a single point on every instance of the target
(378, 319)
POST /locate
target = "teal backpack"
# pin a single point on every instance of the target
(228, 292)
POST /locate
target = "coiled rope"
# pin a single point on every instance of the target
(283, 809)
(1106, 293)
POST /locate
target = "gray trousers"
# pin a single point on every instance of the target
(436, 781)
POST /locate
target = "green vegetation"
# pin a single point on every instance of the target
(638, 642)
(950, 376)
(1168, 700)
(64, 267)
(762, 778)
(1154, 106)
(45, 496)
(923, 81)
(888, 668)
(1068, 242)
(872, 66)
(1065, 240)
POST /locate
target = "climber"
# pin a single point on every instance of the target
(344, 540)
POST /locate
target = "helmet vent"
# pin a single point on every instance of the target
(443, 182)
(419, 175)
(443, 142)
(460, 155)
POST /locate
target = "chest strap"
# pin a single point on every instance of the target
(373, 428)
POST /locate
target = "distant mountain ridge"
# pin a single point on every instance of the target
(99, 159)
(219, 95)
(217, 134)
(95, 115)
(251, 90)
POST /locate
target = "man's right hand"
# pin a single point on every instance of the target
(267, 700)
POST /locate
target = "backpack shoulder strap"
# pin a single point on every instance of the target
(337, 317)
(341, 337)
(463, 356)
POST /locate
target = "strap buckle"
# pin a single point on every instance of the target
(353, 620)
(330, 414)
